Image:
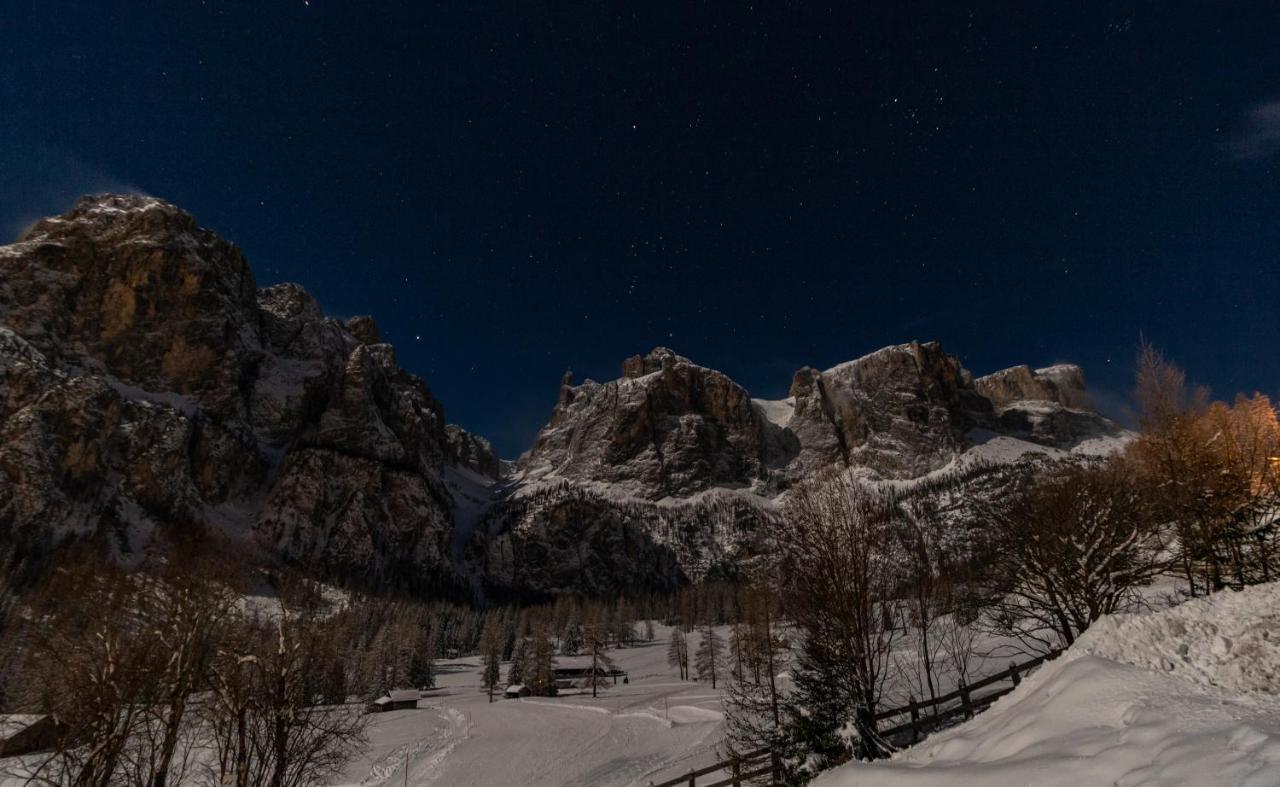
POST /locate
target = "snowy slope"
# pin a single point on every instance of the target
(1186, 696)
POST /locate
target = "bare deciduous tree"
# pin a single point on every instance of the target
(1073, 547)
(835, 552)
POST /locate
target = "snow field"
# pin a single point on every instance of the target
(651, 729)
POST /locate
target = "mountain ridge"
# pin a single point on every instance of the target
(147, 384)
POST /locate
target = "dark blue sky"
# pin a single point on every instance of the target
(515, 189)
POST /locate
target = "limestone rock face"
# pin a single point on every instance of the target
(1062, 384)
(146, 383)
(567, 538)
(899, 412)
(670, 428)
(674, 462)
(667, 427)
(472, 452)
(132, 287)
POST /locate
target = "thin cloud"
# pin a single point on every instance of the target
(1260, 138)
(45, 182)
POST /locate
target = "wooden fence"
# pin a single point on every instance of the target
(751, 765)
(927, 714)
(923, 716)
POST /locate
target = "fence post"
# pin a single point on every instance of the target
(1262, 549)
(964, 701)
(915, 718)
(775, 761)
(1013, 674)
(737, 774)
(692, 779)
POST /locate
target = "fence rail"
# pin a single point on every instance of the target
(970, 702)
(763, 762)
(751, 765)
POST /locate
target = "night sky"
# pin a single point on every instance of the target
(517, 189)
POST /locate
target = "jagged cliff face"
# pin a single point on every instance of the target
(898, 412)
(620, 463)
(1062, 384)
(666, 428)
(671, 428)
(147, 384)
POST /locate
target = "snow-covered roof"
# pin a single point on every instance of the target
(399, 695)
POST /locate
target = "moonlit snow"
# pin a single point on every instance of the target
(1184, 696)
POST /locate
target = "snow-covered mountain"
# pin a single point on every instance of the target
(671, 428)
(148, 386)
(680, 464)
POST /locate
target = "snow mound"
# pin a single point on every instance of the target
(1112, 711)
(1230, 640)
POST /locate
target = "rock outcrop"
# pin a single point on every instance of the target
(898, 412)
(147, 384)
(670, 428)
(666, 428)
(1062, 384)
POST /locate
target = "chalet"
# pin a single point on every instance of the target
(575, 671)
(516, 691)
(399, 699)
(26, 733)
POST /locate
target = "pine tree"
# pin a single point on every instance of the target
(571, 639)
(519, 662)
(422, 671)
(709, 660)
(648, 630)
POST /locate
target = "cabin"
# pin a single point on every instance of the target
(399, 699)
(26, 733)
(515, 691)
(575, 671)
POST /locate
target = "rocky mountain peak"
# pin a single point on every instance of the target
(654, 435)
(146, 383)
(658, 359)
(364, 329)
(1061, 383)
(111, 217)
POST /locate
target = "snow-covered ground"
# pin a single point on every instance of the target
(651, 729)
(1182, 696)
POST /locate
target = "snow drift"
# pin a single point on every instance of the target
(1184, 696)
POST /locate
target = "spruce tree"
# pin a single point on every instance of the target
(571, 639)
(422, 671)
(491, 641)
(519, 662)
